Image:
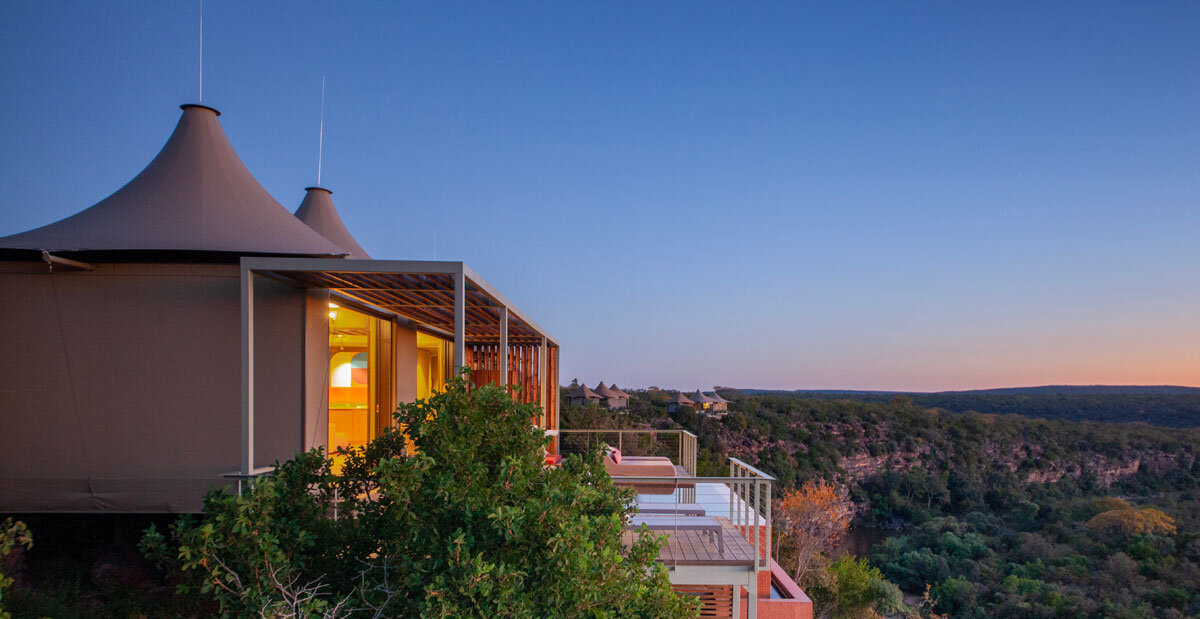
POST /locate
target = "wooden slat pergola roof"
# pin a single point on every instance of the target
(419, 291)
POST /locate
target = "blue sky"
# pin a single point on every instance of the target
(839, 195)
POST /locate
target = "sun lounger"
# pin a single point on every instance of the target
(672, 522)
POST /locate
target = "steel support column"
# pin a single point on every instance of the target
(247, 291)
(503, 345)
(543, 384)
(460, 320)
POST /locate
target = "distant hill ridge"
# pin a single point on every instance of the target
(1038, 390)
(1162, 405)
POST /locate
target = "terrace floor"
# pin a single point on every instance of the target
(695, 547)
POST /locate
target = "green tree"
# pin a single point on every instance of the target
(472, 524)
(851, 588)
(14, 535)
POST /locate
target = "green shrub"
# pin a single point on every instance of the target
(13, 535)
(472, 524)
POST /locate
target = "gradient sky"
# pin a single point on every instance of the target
(898, 195)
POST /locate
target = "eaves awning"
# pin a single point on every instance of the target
(422, 292)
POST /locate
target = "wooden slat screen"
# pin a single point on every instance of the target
(523, 369)
(715, 601)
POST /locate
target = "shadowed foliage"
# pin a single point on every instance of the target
(472, 524)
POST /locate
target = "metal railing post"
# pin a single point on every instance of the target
(753, 487)
(770, 526)
(746, 506)
(732, 490)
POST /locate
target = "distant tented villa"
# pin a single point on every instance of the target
(702, 402)
(188, 331)
(603, 395)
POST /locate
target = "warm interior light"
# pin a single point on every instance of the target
(333, 315)
(333, 305)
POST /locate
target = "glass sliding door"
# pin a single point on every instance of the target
(434, 363)
(361, 385)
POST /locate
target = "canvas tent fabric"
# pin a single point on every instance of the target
(583, 392)
(716, 397)
(318, 211)
(679, 398)
(603, 391)
(196, 196)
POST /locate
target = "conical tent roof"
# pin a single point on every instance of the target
(679, 398)
(605, 392)
(582, 392)
(317, 210)
(716, 397)
(619, 391)
(700, 398)
(195, 196)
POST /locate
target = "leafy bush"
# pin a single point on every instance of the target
(471, 524)
(1130, 522)
(850, 587)
(14, 535)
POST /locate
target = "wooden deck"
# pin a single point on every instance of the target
(695, 548)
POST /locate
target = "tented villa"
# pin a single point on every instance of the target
(188, 331)
(602, 395)
(702, 402)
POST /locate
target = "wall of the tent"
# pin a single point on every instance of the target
(119, 388)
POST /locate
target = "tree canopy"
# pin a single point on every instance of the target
(471, 524)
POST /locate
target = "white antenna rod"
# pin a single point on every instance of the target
(200, 99)
(321, 132)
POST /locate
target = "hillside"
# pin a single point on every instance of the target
(994, 513)
(1160, 405)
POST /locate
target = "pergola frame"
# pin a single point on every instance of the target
(448, 299)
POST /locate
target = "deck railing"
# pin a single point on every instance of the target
(754, 492)
(747, 494)
(678, 445)
(744, 497)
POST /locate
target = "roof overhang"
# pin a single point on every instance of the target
(419, 291)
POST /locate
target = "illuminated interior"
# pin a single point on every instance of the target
(433, 364)
(359, 387)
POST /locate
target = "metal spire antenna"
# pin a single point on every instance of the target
(200, 98)
(321, 132)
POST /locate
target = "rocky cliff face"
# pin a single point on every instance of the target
(1026, 458)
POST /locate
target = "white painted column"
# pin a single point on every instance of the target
(247, 291)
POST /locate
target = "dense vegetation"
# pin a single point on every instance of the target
(470, 524)
(1163, 406)
(999, 515)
